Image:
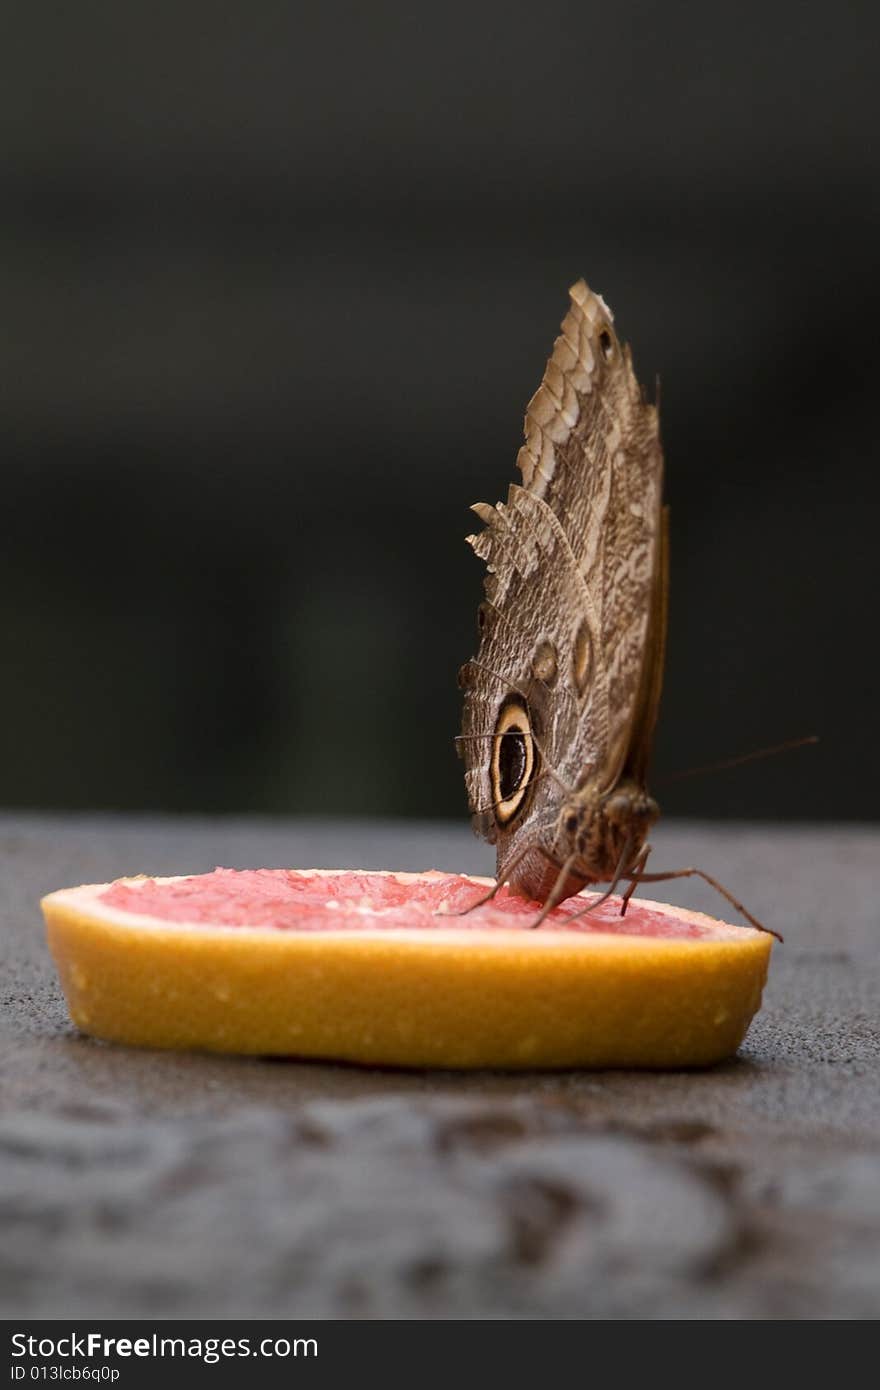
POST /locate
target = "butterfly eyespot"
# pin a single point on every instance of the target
(571, 824)
(513, 760)
(485, 614)
(582, 657)
(606, 343)
(544, 665)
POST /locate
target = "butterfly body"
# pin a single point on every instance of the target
(599, 836)
(562, 696)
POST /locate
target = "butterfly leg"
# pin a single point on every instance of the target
(713, 883)
(638, 868)
(603, 897)
(499, 883)
(478, 902)
(556, 892)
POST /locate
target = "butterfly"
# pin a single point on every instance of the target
(561, 700)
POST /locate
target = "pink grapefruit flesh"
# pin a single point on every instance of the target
(379, 968)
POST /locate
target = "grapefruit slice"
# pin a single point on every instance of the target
(376, 968)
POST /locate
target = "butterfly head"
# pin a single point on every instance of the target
(597, 829)
(598, 836)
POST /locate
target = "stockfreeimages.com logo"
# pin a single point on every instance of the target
(95, 1346)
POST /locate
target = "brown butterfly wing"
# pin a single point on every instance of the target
(647, 708)
(576, 568)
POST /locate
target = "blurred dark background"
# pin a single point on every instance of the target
(277, 283)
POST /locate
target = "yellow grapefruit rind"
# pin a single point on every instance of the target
(457, 997)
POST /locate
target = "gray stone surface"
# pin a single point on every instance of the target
(137, 1183)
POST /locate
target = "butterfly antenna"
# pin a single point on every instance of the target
(725, 763)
